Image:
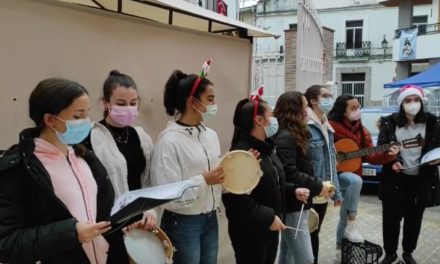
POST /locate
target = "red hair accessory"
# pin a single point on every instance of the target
(256, 98)
(205, 69)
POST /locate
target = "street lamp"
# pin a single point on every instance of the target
(384, 45)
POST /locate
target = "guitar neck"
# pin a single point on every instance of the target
(367, 151)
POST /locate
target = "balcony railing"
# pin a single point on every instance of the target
(423, 29)
(360, 51)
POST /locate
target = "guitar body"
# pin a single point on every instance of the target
(349, 155)
(346, 145)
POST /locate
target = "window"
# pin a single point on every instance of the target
(353, 37)
(354, 84)
(420, 22)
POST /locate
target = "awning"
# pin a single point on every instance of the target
(428, 78)
(390, 3)
(178, 13)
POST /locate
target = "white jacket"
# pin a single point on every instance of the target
(183, 153)
(107, 151)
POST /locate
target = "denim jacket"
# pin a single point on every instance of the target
(323, 155)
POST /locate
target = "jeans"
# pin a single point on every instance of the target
(195, 237)
(299, 250)
(351, 185)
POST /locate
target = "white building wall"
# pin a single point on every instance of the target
(378, 21)
(276, 25)
(233, 6)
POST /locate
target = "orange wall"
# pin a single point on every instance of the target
(43, 39)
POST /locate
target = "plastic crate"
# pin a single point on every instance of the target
(360, 253)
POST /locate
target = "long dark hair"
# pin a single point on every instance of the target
(338, 113)
(114, 80)
(244, 118)
(313, 92)
(288, 111)
(177, 90)
(421, 116)
(51, 96)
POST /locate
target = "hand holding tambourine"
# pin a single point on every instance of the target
(328, 190)
(242, 171)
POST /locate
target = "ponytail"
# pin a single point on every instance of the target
(177, 90)
(244, 118)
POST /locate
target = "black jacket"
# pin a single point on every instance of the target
(34, 224)
(253, 214)
(298, 168)
(391, 183)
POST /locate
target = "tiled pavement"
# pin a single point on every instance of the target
(370, 224)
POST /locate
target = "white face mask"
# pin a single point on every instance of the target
(412, 108)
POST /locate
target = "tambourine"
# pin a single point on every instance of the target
(242, 171)
(152, 246)
(313, 220)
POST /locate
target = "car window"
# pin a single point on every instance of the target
(370, 120)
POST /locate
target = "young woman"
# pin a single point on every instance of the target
(405, 193)
(345, 118)
(322, 151)
(292, 142)
(54, 201)
(187, 149)
(255, 219)
(124, 150)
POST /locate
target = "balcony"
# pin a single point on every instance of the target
(423, 30)
(361, 51)
(428, 42)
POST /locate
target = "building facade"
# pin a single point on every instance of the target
(364, 33)
(231, 6)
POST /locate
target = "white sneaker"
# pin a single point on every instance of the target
(338, 256)
(352, 233)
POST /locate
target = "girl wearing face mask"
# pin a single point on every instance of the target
(405, 193)
(188, 150)
(124, 150)
(55, 199)
(292, 142)
(345, 118)
(322, 151)
(255, 219)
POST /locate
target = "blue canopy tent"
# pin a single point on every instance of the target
(428, 78)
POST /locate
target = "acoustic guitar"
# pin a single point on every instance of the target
(349, 156)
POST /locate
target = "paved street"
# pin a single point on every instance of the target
(370, 223)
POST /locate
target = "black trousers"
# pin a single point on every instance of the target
(321, 209)
(394, 210)
(117, 253)
(252, 249)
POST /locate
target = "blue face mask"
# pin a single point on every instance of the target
(76, 131)
(272, 129)
(326, 104)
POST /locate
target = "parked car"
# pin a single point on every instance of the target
(370, 119)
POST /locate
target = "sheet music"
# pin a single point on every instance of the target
(431, 156)
(163, 192)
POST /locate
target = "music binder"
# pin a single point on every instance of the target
(136, 202)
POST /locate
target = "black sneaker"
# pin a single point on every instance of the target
(408, 259)
(390, 259)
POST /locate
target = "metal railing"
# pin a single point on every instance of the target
(423, 29)
(362, 51)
